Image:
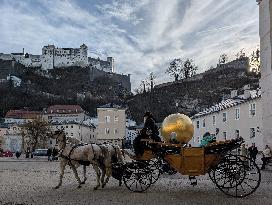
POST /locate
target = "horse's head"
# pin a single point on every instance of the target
(59, 136)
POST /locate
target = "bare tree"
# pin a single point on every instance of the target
(174, 69)
(223, 59)
(189, 68)
(141, 88)
(151, 80)
(180, 69)
(241, 54)
(35, 133)
(254, 61)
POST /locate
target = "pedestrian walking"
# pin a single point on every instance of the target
(49, 154)
(55, 154)
(267, 154)
(253, 151)
(243, 151)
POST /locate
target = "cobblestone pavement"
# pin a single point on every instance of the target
(32, 182)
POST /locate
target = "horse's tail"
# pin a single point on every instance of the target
(119, 154)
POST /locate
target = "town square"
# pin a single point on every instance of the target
(135, 102)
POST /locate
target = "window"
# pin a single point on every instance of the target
(237, 113)
(115, 131)
(204, 123)
(224, 117)
(71, 126)
(72, 134)
(213, 120)
(252, 132)
(252, 111)
(66, 126)
(107, 119)
(225, 135)
(237, 133)
(107, 130)
(115, 118)
(197, 124)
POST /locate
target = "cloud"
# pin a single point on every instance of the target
(143, 36)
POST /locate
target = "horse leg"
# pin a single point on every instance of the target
(63, 164)
(108, 173)
(103, 169)
(98, 174)
(84, 173)
(76, 175)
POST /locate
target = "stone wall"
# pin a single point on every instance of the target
(124, 80)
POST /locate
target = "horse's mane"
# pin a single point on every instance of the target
(59, 132)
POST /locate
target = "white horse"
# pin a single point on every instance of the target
(74, 156)
(113, 155)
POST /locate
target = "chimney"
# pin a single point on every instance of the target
(247, 87)
(247, 94)
(23, 50)
(233, 93)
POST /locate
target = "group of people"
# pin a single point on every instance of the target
(52, 154)
(252, 152)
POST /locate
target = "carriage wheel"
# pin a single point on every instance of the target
(137, 176)
(155, 170)
(237, 176)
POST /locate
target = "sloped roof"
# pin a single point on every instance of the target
(22, 114)
(228, 103)
(64, 109)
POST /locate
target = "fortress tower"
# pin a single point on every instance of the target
(53, 57)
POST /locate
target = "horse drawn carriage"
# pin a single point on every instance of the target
(234, 175)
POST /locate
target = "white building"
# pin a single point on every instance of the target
(12, 139)
(111, 124)
(54, 57)
(81, 131)
(65, 113)
(239, 116)
(266, 67)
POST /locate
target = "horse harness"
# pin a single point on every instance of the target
(82, 162)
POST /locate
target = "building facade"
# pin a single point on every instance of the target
(265, 8)
(12, 139)
(84, 132)
(65, 113)
(54, 57)
(240, 116)
(111, 124)
(21, 116)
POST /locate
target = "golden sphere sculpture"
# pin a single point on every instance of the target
(177, 127)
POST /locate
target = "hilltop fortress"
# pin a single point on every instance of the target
(53, 57)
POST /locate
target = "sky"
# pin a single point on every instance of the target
(143, 36)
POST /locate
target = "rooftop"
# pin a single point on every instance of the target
(22, 114)
(240, 99)
(64, 109)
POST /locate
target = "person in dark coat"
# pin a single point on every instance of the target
(55, 154)
(49, 154)
(253, 151)
(149, 131)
